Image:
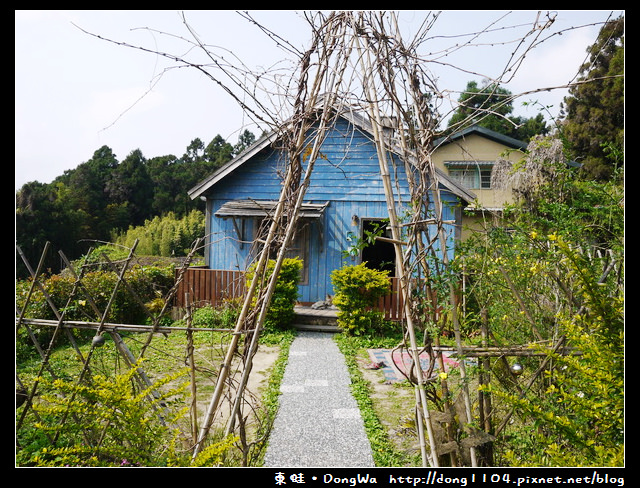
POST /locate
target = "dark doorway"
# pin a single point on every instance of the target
(378, 255)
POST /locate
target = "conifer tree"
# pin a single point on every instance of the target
(594, 119)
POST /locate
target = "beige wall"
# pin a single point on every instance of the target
(478, 148)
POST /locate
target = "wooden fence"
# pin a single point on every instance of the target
(392, 304)
(205, 286)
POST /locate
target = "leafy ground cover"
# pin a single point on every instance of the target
(165, 365)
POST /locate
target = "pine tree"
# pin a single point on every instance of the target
(594, 120)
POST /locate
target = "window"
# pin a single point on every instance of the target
(485, 179)
(299, 246)
(471, 175)
(466, 178)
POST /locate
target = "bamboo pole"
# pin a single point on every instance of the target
(325, 118)
(485, 397)
(101, 326)
(289, 184)
(240, 324)
(118, 327)
(33, 275)
(446, 394)
(427, 171)
(192, 368)
(396, 236)
(523, 307)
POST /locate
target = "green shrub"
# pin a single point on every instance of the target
(280, 313)
(357, 290)
(558, 272)
(575, 417)
(148, 283)
(113, 253)
(204, 317)
(110, 422)
(212, 317)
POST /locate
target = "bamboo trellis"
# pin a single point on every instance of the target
(338, 36)
(308, 100)
(25, 392)
(61, 325)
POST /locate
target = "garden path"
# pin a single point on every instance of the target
(318, 423)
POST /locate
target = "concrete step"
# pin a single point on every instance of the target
(321, 320)
(317, 328)
(308, 315)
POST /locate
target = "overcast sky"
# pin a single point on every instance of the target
(75, 93)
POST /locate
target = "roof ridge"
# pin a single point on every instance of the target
(358, 120)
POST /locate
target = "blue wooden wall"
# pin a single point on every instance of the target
(346, 174)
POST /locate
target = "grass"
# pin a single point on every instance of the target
(271, 394)
(169, 354)
(165, 356)
(384, 450)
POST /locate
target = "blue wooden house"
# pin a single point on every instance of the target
(345, 198)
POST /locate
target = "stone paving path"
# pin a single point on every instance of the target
(318, 422)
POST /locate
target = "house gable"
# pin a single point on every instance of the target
(468, 157)
(346, 169)
(348, 155)
(483, 132)
(345, 192)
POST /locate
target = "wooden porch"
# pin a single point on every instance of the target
(203, 286)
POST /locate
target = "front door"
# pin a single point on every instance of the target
(378, 255)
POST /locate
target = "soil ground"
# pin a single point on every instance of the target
(394, 404)
(263, 362)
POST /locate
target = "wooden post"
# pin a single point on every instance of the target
(484, 397)
(192, 367)
(397, 238)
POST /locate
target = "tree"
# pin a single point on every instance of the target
(36, 205)
(594, 120)
(491, 106)
(165, 173)
(194, 151)
(218, 152)
(527, 128)
(130, 185)
(244, 141)
(65, 212)
(87, 184)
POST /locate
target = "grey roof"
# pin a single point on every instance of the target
(484, 132)
(264, 208)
